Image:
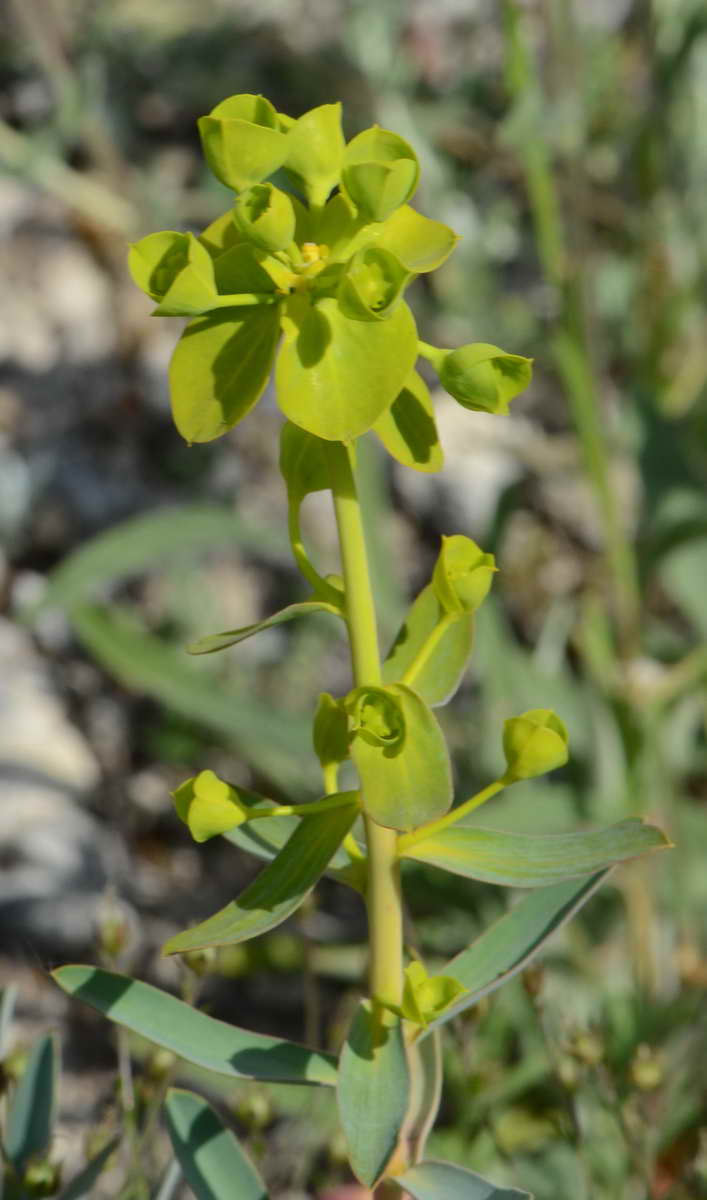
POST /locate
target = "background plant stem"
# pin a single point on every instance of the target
(383, 896)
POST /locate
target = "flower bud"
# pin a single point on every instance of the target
(242, 141)
(200, 961)
(534, 743)
(266, 217)
(372, 284)
(209, 806)
(380, 172)
(482, 377)
(462, 575)
(175, 270)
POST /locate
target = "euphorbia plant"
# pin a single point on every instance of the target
(305, 278)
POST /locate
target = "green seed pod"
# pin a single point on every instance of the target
(373, 282)
(380, 172)
(265, 216)
(482, 377)
(534, 743)
(243, 141)
(462, 575)
(175, 270)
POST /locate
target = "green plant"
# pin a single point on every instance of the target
(307, 279)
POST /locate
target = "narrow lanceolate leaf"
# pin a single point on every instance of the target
(265, 839)
(213, 1163)
(407, 429)
(336, 376)
(231, 637)
(374, 1090)
(509, 944)
(525, 860)
(279, 889)
(31, 1113)
(438, 671)
(219, 369)
(192, 1035)
(8, 996)
(445, 1181)
(83, 1184)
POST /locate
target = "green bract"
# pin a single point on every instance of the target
(534, 743)
(242, 141)
(481, 376)
(265, 216)
(177, 271)
(462, 575)
(380, 172)
(315, 151)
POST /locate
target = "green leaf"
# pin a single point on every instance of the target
(170, 1181)
(240, 269)
(342, 229)
(524, 860)
(279, 889)
(83, 1184)
(418, 242)
(242, 141)
(401, 756)
(219, 369)
(315, 151)
(445, 1181)
(213, 1162)
(31, 1113)
(508, 945)
(426, 1078)
(373, 1090)
(303, 463)
(265, 840)
(221, 235)
(408, 430)
(380, 172)
(335, 376)
(440, 672)
(231, 637)
(271, 740)
(8, 997)
(191, 1034)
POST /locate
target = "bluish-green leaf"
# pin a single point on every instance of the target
(83, 1184)
(374, 1090)
(31, 1111)
(231, 637)
(220, 367)
(191, 1034)
(213, 1163)
(509, 944)
(336, 376)
(8, 996)
(527, 860)
(407, 429)
(279, 889)
(445, 1181)
(426, 1077)
(438, 673)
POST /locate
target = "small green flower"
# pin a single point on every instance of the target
(534, 743)
(380, 172)
(242, 140)
(209, 806)
(480, 376)
(462, 575)
(265, 216)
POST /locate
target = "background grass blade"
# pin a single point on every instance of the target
(508, 945)
(82, 1185)
(526, 860)
(191, 1034)
(31, 1112)
(213, 1163)
(279, 889)
(444, 1181)
(374, 1091)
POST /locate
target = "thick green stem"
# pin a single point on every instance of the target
(383, 896)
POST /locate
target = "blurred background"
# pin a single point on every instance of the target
(566, 143)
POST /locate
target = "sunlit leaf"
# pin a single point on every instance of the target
(279, 889)
(420, 243)
(408, 430)
(191, 1034)
(231, 637)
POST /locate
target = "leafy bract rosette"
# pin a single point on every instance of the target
(306, 284)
